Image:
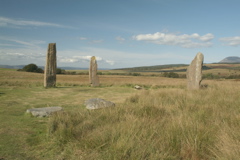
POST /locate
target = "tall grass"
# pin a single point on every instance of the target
(162, 121)
(159, 124)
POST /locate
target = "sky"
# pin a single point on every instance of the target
(120, 33)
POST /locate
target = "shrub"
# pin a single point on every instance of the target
(99, 73)
(233, 77)
(136, 74)
(60, 71)
(32, 68)
(210, 76)
(170, 75)
(39, 70)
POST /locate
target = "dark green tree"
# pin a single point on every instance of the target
(40, 70)
(32, 68)
(60, 71)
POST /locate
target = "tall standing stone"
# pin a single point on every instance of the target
(50, 68)
(194, 72)
(93, 77)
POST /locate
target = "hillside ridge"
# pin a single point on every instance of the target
(231, 59)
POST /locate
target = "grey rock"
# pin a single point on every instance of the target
(50, 67)
(93, 77)
(43, 112)
(194, 72)
(97, 103)
(137, 87)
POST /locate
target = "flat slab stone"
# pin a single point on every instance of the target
(43, 112)
(97, 103)
(137, 87)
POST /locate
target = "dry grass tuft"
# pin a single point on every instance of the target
(158, 124)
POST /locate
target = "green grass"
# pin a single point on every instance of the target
(23, 136)
(162, 121)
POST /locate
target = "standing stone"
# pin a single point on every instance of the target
(93, 77)
(194, 72)
(50, 68)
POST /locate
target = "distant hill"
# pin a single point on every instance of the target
(153, 68)
(233, 59)
(12, 67)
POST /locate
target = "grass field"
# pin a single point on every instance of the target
(162, 121)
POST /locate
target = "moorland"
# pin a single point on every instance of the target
(164, 120)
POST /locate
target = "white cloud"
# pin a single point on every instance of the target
(106, 58)
(91, 41)
(82, 38)
(231, 41)
(68, 60)
(7, 45)
(97, 41)
(120, 39)
(121, 59)
(8, 22)
(206, 37)
(15, 51)
(186, 41)
(110, 62)
(33, 44)
(21, 56)
(75, 59)
(87, 58)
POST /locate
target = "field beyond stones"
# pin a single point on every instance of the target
(161, 121)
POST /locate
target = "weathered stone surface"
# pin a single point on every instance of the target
(43, 112)
(93, 77)
(51, 65)
(194, 72)
(97, 103)
(137, 87)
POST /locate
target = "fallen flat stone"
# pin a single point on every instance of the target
(97, 103)
(43, 112)
(137, 87)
